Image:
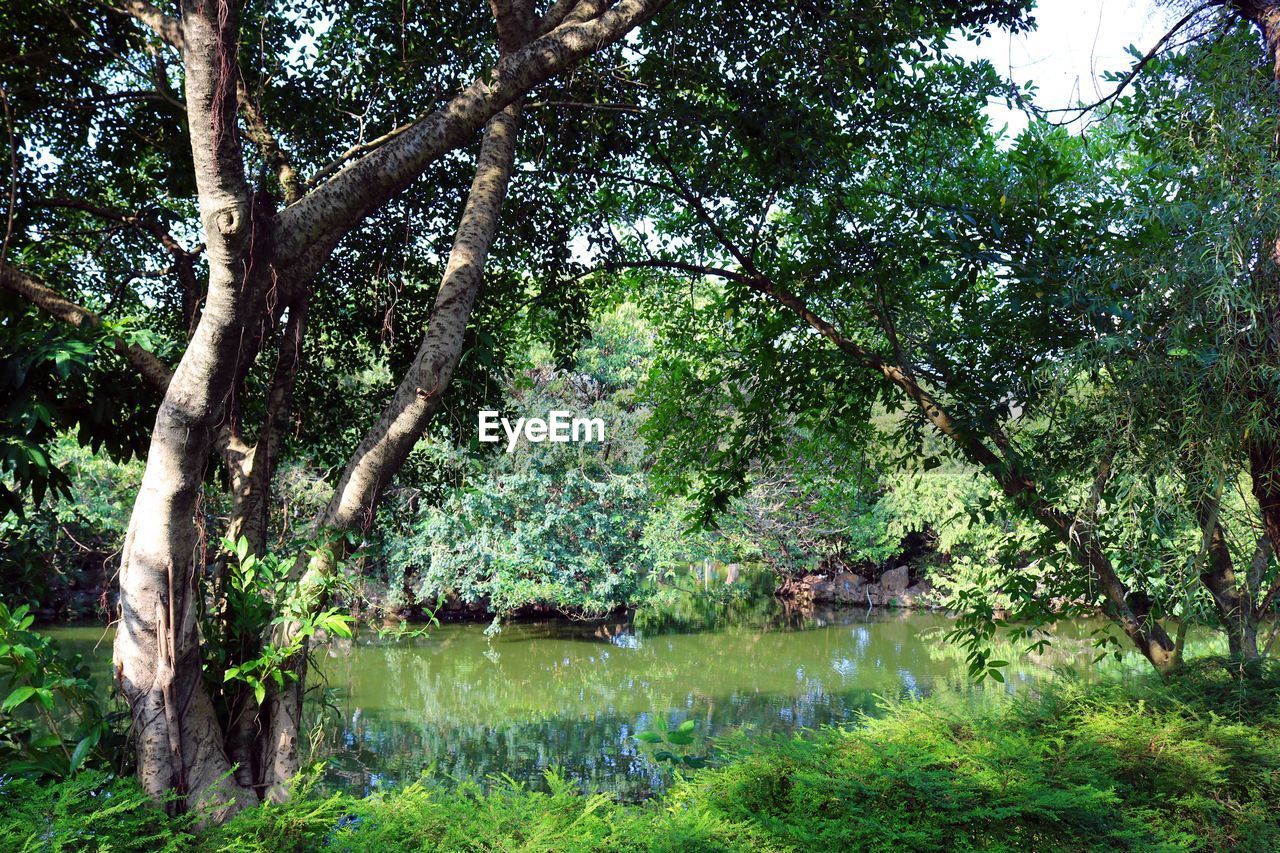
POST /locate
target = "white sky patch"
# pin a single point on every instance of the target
(1075, 42)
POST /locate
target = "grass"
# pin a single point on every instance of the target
(1193, 766)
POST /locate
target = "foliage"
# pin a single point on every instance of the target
(54, 382)
(573, 526)
(671, 746)
(1101, 766)
(59, 553)
(92, 811)
(54, 719)
(684, 602)
(257, 598)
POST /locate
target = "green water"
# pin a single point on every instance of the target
(570, 694)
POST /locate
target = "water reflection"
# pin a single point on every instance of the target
(571, 694)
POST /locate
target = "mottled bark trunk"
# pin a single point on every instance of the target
(251, 478)
(157, 648)
(387, 444)
(314, 225)
(250, 474)
(1234, 605)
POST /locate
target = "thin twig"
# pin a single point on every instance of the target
(13, 178)
(1136, 69)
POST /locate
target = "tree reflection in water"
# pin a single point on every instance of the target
(571, 694)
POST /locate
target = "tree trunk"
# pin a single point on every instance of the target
(1235, 607)
(387, 444)
(157, 648)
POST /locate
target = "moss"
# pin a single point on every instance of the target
(1195, 766)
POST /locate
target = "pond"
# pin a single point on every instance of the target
(571, 694)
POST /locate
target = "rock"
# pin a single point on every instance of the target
(895, 581)
(821, 589)
(847, 587)
(892, 590)
(916, 596)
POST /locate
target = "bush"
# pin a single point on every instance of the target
(1077, 767)
(90, 811)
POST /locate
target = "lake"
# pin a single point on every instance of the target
(570, 694)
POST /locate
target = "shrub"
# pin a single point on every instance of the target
(1077, 767)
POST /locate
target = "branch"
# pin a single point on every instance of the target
(153, 370)
(685, 191)
(260, 135)
(1137, 68)
(583, 105)
(184, 259)
(680, 266)
(515, 20)
(169, 29)
(137, 220)
(358, 149)
(556, 15)
(977, 451)
(320, 219)
(10, 210)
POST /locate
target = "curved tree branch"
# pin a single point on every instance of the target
(260, 134)
(168, 28)
(156, 373)
(312, 226)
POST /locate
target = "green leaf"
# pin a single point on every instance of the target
(82, 750)
(649, 737)
(686, 726)
(17, 697)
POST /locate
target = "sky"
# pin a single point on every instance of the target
(1075, 42)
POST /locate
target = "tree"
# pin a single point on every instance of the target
(918, 265)
(1188, 354)
(250, 293)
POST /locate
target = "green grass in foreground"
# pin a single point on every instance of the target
(1196, 766)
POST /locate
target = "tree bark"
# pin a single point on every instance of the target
(1234, 607)
(157, 650)
(384, 448)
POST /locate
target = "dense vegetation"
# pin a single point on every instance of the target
(263, 265)
(1192, 768)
